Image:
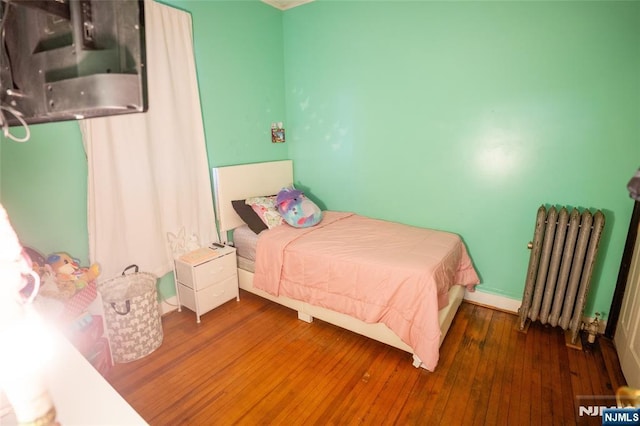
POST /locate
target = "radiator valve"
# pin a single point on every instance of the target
(593, 328)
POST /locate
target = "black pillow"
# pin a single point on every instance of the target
(250, 217)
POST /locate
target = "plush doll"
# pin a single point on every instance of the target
(54, 289)
(67, 269)
(296, 209)
(49, 286)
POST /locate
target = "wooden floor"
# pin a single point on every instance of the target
(253, 362)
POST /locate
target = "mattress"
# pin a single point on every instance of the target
(246, 264)
(245, 241)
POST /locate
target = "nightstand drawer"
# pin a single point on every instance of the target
(207, 274)
(211, 297)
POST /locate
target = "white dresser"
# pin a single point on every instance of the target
(206, 278)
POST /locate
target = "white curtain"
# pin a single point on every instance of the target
(149, 188)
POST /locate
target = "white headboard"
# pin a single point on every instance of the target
(243, 181)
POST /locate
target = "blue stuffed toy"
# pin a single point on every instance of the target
(296, 209)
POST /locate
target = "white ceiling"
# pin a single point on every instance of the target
(286, 4)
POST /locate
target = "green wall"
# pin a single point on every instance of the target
(467, 116)
(463, 116)
(44, 188)
(239, 58)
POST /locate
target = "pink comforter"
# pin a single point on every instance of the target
(373, 270)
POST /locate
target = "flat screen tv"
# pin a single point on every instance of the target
(71, 59)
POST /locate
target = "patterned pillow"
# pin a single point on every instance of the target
(265, 207)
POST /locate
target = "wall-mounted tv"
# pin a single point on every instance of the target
(71, 59)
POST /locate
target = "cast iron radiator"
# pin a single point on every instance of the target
(563, 253)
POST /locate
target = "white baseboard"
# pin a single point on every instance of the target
(501, 303)
(507, 304)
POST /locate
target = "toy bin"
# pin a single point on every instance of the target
(132, 315)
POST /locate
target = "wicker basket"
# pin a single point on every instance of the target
(132, 314)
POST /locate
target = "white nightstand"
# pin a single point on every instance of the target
(206, 278)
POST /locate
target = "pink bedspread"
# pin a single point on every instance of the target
(373, 270)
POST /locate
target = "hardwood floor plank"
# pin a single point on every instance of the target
(463, 389)
(552, 392)
(511, 355)
(351, 371)
(535, 381)
(445, 377)
(612, 364)
(361, 399)
(253, 362)
(518, 382)
(392, 399)
(568, 397)
(491, 384)
(424, 393)
(293, 396)
(580, 370)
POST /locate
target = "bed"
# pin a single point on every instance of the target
(239, 182)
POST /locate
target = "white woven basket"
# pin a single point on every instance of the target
(131, 309)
